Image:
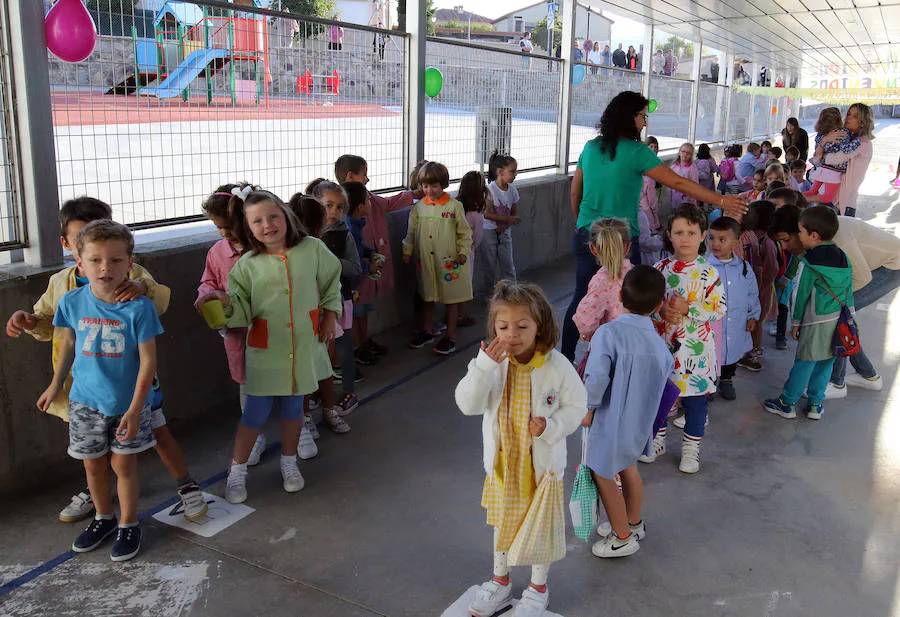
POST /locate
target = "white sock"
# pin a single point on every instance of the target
(104, 517)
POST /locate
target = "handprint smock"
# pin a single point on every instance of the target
(692, 342)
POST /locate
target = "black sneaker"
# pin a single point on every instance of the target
(781, 342)
(750, 363)
(94, 535)
(365, 356)
(128, 544)
(375, 348)
(359, 376)
(445, 347)
(726, 389)
(338, 373)
(420, 339)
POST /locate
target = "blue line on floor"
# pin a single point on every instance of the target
(64, 557)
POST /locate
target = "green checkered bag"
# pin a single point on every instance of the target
(583, 503)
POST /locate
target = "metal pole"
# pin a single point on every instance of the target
(414, 94)
(564, 115)
(695, 90)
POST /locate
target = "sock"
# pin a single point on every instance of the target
(104, 517)
(234, 463)
(636, 524)
(623, 537)
(288, 460)
(662, 432)
(127, 525)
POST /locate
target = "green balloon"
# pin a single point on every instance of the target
(434, 81)
(653, 105)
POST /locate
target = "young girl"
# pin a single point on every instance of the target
(496, 247)
(759, 186)
(531, 399)
(826, 179)
(730, 181)
(219, 261)
(441, 239)
(775, 173)
(649, 203)
(761, 253)
(694, 298)
(685, 168)
(706, 167)
(473, 195)
(286, 277)
(653, 144)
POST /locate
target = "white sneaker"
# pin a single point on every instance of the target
(491, 598)
(659, 448)
(335, 422)
(258, 448)
(679, 422)
(81, 507)
(773, 330)
(236, 485)
(292, 480)
(604, 530)
(613, 546)
(309, 425)
(307, 448)
(833, 392)
(858, 381)
(533, 603)
(690, 456)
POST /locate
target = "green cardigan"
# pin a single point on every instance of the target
(816, 311)
(279, 297)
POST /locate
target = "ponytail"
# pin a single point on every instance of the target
(609, 237)
(498, 161)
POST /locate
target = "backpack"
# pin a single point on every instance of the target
(726, 170)
(845, 340)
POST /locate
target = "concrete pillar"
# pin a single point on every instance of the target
(414, 119)
(564, 113)
(695, 90)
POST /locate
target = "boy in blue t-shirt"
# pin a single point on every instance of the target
(110, 347)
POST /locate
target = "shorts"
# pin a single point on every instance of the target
(92, 434)
(258, 408)
(360, 310)
(157, 418)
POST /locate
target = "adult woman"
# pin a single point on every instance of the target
(793, 135)
(594, 58)
(631, 59)
(607, 183)
(860, 121)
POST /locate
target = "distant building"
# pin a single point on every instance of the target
(590, 23)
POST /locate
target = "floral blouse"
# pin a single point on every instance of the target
(601, 303)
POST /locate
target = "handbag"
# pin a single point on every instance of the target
(541, 539)
(845, 340)
(583, 502)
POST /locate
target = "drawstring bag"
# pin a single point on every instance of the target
(845, 340)
(541, 539)
(670, 395)
(583, 503)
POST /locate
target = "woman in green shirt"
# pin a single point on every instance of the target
(608, 182)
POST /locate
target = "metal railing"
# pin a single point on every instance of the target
(12, 229)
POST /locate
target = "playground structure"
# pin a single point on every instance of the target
(190, 44)
(329, 84)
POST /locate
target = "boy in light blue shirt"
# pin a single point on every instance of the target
(749, 164)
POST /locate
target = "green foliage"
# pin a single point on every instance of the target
(480, 26)
(325, 9)
(452, 24)
(681, 47)
(539, 34)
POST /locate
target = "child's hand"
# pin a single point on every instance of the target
(128, 427)
(47, 397)
(19, 322)
(588, 419)
(795, 333)
(536, 426)
(327, 327)
(751, 323)
(461, 259)
(502, 227)
(221, 296)
(496, 351)
(679, 304)
(130, 290)
(515, 220)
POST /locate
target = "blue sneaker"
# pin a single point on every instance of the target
(814, 411)
(94, 535)
(128, 544)
(780, 407)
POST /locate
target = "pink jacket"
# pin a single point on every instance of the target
(691, 173)
(601, 304)
(375, 234)
(857, 164)
(219, 261)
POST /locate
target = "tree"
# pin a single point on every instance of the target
(681, 48)
(324, 9)
(539, 34)
(429, 16)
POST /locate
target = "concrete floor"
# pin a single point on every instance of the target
(786, 518)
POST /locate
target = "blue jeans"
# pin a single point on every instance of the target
(695, 410)
(883, 282)
(809, 376)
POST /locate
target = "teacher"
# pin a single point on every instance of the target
(859, 121)
(607, 184)
(793, 135)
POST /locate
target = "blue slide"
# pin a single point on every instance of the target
(185, 73)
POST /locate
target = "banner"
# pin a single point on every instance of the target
(838, 96)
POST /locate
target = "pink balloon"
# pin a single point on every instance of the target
(71, 34)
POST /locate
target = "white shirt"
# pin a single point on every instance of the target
(526, 45)
(594, 57)
(503, 202)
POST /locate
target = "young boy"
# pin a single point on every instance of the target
(111, 347)
(825, 283)
(798, 177)
(741, 298)
(783, 197)
(750, 163)
(74, 215)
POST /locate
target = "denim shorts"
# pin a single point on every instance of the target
(258, 408)
(92, 434)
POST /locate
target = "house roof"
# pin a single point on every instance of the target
(543, 2)
(445, 15)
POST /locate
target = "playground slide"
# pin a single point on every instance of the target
(186, 72)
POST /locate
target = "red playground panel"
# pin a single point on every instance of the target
(306, 82)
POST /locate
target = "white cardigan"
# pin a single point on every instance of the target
(557, 394)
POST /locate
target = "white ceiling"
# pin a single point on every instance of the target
(786, 34)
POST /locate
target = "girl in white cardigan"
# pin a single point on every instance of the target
(531, 399)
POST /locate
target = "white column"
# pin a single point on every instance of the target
(564, 115)
(414, 103)
(729, 82)
(695, 91)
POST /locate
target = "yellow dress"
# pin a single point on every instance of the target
(508, 492)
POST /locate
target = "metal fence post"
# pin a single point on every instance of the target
(34, 118)
(564, 115)
(729, 92)
(695, 90)
(414, 94)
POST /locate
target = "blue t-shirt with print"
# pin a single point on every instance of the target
(106, 347)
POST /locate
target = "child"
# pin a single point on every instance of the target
(798, 177)
(524, 435)
(730, 181)
(749, 164)
(620, 415)
(694, 299)
(706, 167)
(610, 243)
(281, 260)
(684, 166)
(775, 172)
(741, 297)
(774, 155)
(762, 254)
(825, 283)
(827, 177)
(759, 186)
(474, 197)
(114, 368)
(441, 239)
(651, 243)
(219, 261)
(496, 246)
(74, 215)
(783, 197)
(653, 144)
(649, 203)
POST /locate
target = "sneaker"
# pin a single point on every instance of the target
(192, 501)
(256, 453)
(81, 507)
(858, 381)
(781, 342)
(347, 404)
(690, 456)
(491, 598)
(128, 544)
(291, 479)
(365, 356)
(375, 348)
(438, 328)
(95, 534)
(533, 603)
(679, 422)
(335, 422)
(756, 352)
(639, 531)
(420, 339)
(359, 376)
(750, 363)
(236, 485)
(310, 426)
(726, 389)
(337, 375)
(314, 401)
(306, 447)
(780, 407)
(445, 347)
(773, 330)
(833, 392)
(613, 546)
(814, 411)
(466, 322)
(659, 448)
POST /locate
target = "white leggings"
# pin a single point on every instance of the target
(539, 574)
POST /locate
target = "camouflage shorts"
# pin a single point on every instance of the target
(92, 434)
